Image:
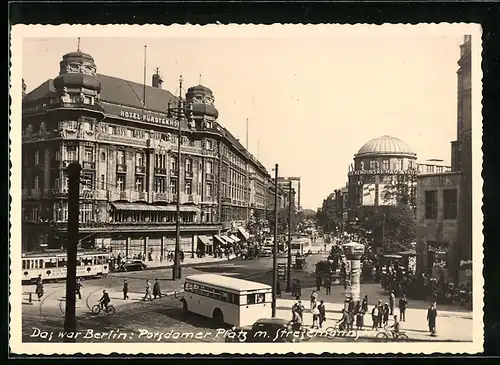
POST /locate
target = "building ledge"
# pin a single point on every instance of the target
(434, 174)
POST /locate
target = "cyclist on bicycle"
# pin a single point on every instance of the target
(395, 327)
(105, 300)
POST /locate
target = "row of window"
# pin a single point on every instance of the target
(449, 204)
(224, 296)
(61, 262)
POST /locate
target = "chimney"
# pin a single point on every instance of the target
(157, 80)
(24, 89)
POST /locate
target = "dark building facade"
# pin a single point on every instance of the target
(444, 212)
(124, 135)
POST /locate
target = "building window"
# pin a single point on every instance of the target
(159, 184)
(89, 154)
(431, 204)
(37, 158)
(189, 165)
(209, 190)
(439, 169)
(373, 165)
(188, 188)
(57, 184)
(103, 157)
(36, 183)
(209, 145)
(385, 165)
(430, 168)
(173, 164)
(71, 152)
(86, 212)
(139, 183)
(209, 167)
(400, 163)
(410, 165)
(139, 159)
(450, 204)
(103, 183)
(173, 186)
(120, 182)
(120, 157)
(160, 160)
(57, 156)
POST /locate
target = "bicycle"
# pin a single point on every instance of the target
(98, 308)
(388, 334)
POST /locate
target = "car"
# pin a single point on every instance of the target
(267, 252)
(265, 330)
(132, 265)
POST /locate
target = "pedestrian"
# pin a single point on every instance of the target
(147, 287)
(318, 282)
(380, 313)
(39, 287)
(157, 289)
(360, 319)
(364, 304)
(300, 310)
(315, 314)
(125, 289)
(294, 287)
(431, 318)
(79, 286)
(350, 306)
(181, 253)
(322, 313)
(402, 308)
(375, 316)
(385, 316)
(313, 298)
(298, 289)
(392, 302)
(328, 285)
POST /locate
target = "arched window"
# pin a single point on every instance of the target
(103, 157)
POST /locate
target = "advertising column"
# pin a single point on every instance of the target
(353, 252)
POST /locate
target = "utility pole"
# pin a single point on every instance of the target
(74, 170)
(289, 258)
(176, 272)
(275, 250)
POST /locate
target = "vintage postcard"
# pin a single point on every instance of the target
(241, 189)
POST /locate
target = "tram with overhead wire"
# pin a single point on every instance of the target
(51, 265)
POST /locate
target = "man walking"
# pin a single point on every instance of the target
(157, 289)
(328, 285)
(431, 319)
(322, 313)
(402, 308)
(79, 286)
(147, 287)
(125, 289)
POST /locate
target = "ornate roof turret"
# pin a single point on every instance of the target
(202, 100)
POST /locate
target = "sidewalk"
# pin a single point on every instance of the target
(188, 261)
(451, 326)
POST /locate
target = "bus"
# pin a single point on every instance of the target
(226, 300)
(51, 265)
(300, 245)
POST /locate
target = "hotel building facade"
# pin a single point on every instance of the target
(124, 135)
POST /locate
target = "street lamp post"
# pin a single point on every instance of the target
(176, 268)
(289, 255)
(275, 250)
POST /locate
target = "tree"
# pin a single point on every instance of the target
(283, 217)
(329, 216)
(393, 227)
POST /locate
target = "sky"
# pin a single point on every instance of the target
(311, 101)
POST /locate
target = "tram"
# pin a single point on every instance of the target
(51, 265)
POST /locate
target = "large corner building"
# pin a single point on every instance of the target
(124, 135)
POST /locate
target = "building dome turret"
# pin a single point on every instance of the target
(202, 100)
(77, 81)
(386, 145)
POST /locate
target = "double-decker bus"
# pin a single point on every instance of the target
(51, 264)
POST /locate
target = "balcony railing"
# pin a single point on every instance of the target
(124, 195)
(189, 174)
(121, 168)
(160, 171)
(140, 169)
(209, 177)
(174, 172)
(191, 149)
(88, 165)
(160, 197)
(139, 196)
(122, 139)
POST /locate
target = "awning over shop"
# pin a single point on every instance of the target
(136, 207)
(244, 233)
(204, 239)
(234, 238)
(152, 208)
(221, 240)
(228, 240)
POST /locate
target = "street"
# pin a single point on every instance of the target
(163, 320)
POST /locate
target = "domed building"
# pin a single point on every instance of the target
(383, 173)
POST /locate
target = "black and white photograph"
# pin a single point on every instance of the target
(246, 189)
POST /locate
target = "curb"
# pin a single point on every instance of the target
(149, 268)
